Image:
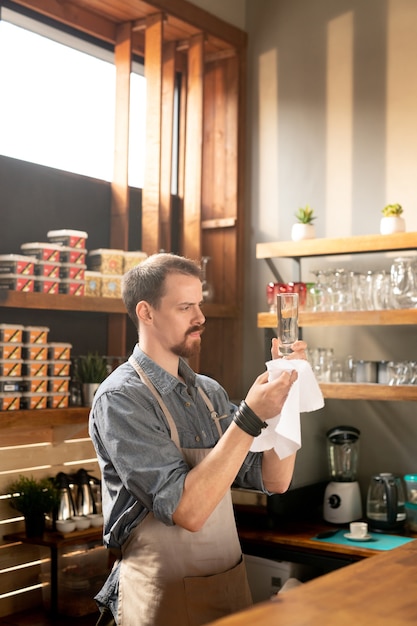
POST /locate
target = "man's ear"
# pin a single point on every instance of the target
(144, 312)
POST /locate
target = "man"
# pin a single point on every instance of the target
(170, 444)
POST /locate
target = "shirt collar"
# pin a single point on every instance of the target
(162, 380)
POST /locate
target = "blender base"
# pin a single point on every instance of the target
(342, 502)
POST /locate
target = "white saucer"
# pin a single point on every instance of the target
(353, 538)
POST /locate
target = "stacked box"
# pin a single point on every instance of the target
(42, 251)
(131, 259)
(59, 379)
(17, 282)
(34, 367)
(11, 345)
(107, 261)
(93, 283)
(73, 271)
(68, 237)
(18, 264)
(111, 286)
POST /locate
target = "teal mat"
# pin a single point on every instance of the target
(378, 541)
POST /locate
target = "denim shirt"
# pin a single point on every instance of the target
(142, 468)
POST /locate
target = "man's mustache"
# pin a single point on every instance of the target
(197, 328)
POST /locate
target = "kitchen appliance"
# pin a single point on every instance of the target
(385, 504)
(342, 497)
(79, 494)
(66, 508)
(85, 501)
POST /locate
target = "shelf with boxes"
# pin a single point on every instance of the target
(47, 276)
(395, 317)
(34, 374)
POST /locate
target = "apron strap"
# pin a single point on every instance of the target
(144, 378)
(213, 414)
(174, 432)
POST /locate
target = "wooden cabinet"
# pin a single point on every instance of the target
(332, 247)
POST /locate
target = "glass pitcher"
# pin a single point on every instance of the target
(385, 506)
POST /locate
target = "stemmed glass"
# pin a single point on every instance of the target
(208, 291)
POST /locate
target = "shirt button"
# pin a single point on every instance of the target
(197, 438)
(188, 404)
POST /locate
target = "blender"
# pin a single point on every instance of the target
(342, 497)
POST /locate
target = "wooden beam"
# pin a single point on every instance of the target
(151, 238)
(119, 221)
(202, 20)
(193, 149)
(119, 186)
(73, 15)
(168, 89)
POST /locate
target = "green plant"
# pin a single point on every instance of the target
(392, 210)
(33, 497)
(305, 215)
(91, 368)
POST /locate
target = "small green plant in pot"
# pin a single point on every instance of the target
(304, 227)
(34, 498)
(91, 370)
(391, 221)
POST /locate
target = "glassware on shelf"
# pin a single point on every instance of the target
(404, 282)
(339, 293)
(208, 291)
(317, 297)
(274, 289)
(321, 361)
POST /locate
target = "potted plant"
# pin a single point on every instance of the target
(34, 498)
(91, 370)
(304, 228)
(392, 222)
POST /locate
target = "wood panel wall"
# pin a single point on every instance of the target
(37, 452)
(176, 38)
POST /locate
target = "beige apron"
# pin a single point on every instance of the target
(170, 576)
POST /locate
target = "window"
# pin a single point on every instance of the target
(58, 99)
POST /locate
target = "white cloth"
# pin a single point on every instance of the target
(284, 430)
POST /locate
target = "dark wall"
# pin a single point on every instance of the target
(35, 199)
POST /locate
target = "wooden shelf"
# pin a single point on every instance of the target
(397, 317)
(41, 418)
(343, 245)
(62, 302)
(368, 391)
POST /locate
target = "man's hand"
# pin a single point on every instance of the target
(298, 347)
(266, 398)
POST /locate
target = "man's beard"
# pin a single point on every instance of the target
(186, 350)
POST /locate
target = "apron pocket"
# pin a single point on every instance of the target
(211, 597)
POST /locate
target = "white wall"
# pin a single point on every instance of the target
(332, 102)
(232, 11)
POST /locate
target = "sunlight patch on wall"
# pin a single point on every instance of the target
(268, 144)
(401, 103)
(339, 126)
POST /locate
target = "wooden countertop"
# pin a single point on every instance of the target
(381, 591)
(297, 537)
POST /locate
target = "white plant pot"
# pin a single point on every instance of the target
(88, 391)
(392, 224)
(302, 231)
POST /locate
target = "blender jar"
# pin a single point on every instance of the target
(343, 452)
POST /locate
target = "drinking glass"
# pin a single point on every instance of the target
(318, 292)
(287, 314)
(404, 282)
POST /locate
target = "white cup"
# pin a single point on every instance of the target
(358, 529)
